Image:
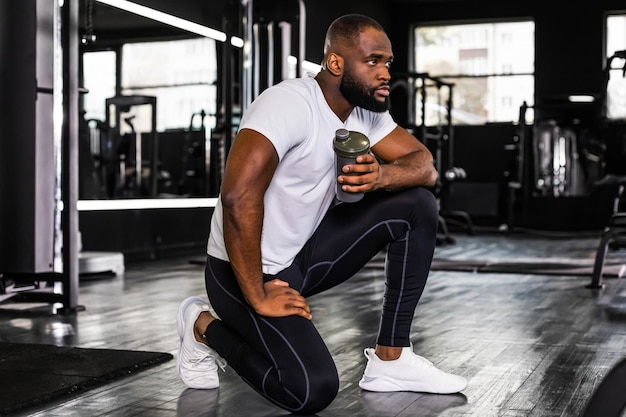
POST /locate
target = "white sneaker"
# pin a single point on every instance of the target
(409, 372)
(197, 364)
(182, 308)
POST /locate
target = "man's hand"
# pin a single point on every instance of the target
(362, 176)
(405, 162)
(281, 300)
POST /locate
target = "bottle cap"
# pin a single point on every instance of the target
(342, 134)
(350, 145)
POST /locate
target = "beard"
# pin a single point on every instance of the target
(360, 95)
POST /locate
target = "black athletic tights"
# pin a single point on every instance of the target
(284, 358)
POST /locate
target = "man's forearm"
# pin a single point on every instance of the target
(412, 170)
(242, 237)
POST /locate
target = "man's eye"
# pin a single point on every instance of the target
(388, 64)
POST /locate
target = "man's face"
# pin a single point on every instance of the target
(365, 81)
(359, 94)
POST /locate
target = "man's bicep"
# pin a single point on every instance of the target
(250, 166)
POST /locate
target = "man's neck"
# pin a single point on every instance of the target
(336, 101)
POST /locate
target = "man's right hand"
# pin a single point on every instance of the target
(281, 301)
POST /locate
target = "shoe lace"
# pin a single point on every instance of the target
(207, 360)
(221, 362)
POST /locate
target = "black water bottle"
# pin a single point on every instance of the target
(348, 145)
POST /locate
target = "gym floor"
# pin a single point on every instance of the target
(530, 345)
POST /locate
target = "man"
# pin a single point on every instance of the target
(277, 235)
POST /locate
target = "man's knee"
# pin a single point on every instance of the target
(322, 391)
(420, 203)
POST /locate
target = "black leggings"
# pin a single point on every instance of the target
(284, 358)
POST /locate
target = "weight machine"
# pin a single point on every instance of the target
(429, 117)
(553, 159)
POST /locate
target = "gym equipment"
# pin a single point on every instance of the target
(615, 231)
(557, 170)
(431, 122)
(268, 38)
(551, 159)
(268, 29)
(119, 149)
(192, 177)
(517, 181)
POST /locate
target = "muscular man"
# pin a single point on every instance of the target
(278, 236)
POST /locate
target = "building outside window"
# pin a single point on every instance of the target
(491, 67)
(181, 74)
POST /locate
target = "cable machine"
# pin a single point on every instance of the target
(268, 34)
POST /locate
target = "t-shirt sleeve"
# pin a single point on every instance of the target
(382, 124)
(281, 115)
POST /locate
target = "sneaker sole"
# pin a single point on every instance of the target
(181, 312)
(383, 384)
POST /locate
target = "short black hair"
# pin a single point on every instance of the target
(349, 27)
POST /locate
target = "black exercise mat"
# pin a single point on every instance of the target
(34, 374)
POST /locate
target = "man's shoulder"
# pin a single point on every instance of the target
(302, 86)
(283, 107)
(291, 92)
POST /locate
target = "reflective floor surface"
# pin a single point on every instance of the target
(529, 345)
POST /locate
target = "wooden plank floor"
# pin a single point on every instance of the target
(530, 345)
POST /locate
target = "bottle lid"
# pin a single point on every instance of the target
(350, 143)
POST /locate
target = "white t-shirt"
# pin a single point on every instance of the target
(296, 118)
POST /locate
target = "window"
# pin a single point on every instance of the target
(491, 67)
(99, 80)
(616, 54)
(181, 74)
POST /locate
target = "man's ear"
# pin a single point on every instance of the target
(335, 64)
